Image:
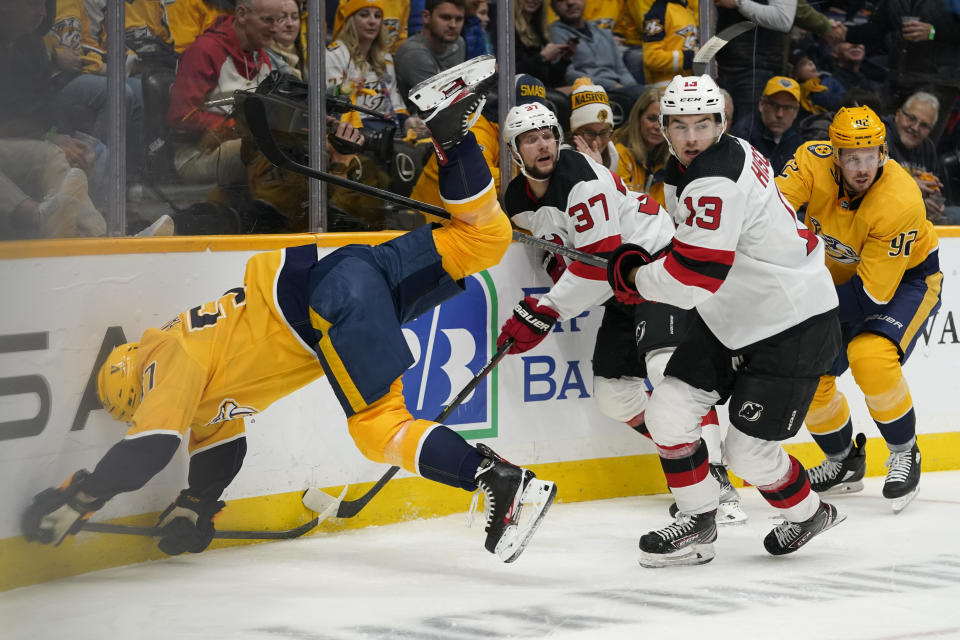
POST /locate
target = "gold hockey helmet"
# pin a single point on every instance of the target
(118, 382)
(856, 128)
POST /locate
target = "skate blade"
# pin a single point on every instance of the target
(899, 504)
(538, 496)
(842, 488)
(434, 90)
(691, 556)
(731, 513)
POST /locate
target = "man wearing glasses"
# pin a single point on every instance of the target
(773, 133)
(882, 253)
(908, 136)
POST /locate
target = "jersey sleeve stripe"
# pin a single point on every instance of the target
(698, 266)
(600, 248)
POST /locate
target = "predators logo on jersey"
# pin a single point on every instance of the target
(835, 249)
(230, 410)
(652, 27)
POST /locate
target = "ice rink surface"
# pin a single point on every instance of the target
(876, 576)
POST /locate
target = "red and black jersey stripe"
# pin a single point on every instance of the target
(698, 266)
(602, 248)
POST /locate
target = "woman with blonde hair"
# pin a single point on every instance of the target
(641, 147)
(360, 65)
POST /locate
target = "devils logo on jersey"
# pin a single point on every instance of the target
(751, 411)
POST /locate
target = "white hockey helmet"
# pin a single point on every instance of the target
(691, 95)
(528, 117)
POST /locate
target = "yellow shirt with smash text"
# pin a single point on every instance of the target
(877, 236)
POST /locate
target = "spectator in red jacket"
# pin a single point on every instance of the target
(229, 56)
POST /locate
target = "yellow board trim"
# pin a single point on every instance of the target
(23, 564)
(337, 368)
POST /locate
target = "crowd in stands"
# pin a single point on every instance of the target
(599, 65)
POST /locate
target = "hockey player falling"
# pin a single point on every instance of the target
(295, 319)
(564, 196)
(767, 329)
(882, 253)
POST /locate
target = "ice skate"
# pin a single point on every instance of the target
(450, 102)
(903, 478)
(844, 476)
(509, 492)
(730, 510)
(688, 541)
(790, 536)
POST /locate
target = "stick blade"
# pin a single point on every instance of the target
(322, 503)
(701, 61)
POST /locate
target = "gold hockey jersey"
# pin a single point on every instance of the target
(226, 359)
(877, 236)
(669, 41)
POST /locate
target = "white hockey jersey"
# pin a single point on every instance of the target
(587, 207)
(739, 255)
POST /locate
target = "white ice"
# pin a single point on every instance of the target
(876, 576)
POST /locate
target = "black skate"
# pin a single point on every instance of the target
(846, 476)
(730, 510)
(790, 536)
(903, 478)
(450, 102)
(507, 489)
(689, 540)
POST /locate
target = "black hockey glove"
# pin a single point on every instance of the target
(58, 513)
(187, 524)
(622, 261)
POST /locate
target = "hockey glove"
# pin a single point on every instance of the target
(58, 513)
(553, 263)
(622, 261)
(529, 324)
(187, 524)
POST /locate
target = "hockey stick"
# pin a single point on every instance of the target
(255, 115)
(710, 48)
(155, 532)
(321, 501)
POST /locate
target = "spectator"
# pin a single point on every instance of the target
(396, 18)
(483, 14)
(286, 50)
(41, 196)
(819, 92)
(773, 134)
(669, 41)
(923, 52)
(437, 47)
(848, 60)
(230, 56)
(909, 143)
(603, 13)
(189, 18)
(727, 110)
(596, 55)
(817, 125)
(474, 33)
(746, 63)
(641, 148)
(37, 197)
(591, 123)
(535, 54)
(80, 50)
(359, 65)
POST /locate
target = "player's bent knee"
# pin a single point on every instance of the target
(756, 460)
(620, 398)
(375, 430)
(674, 412)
